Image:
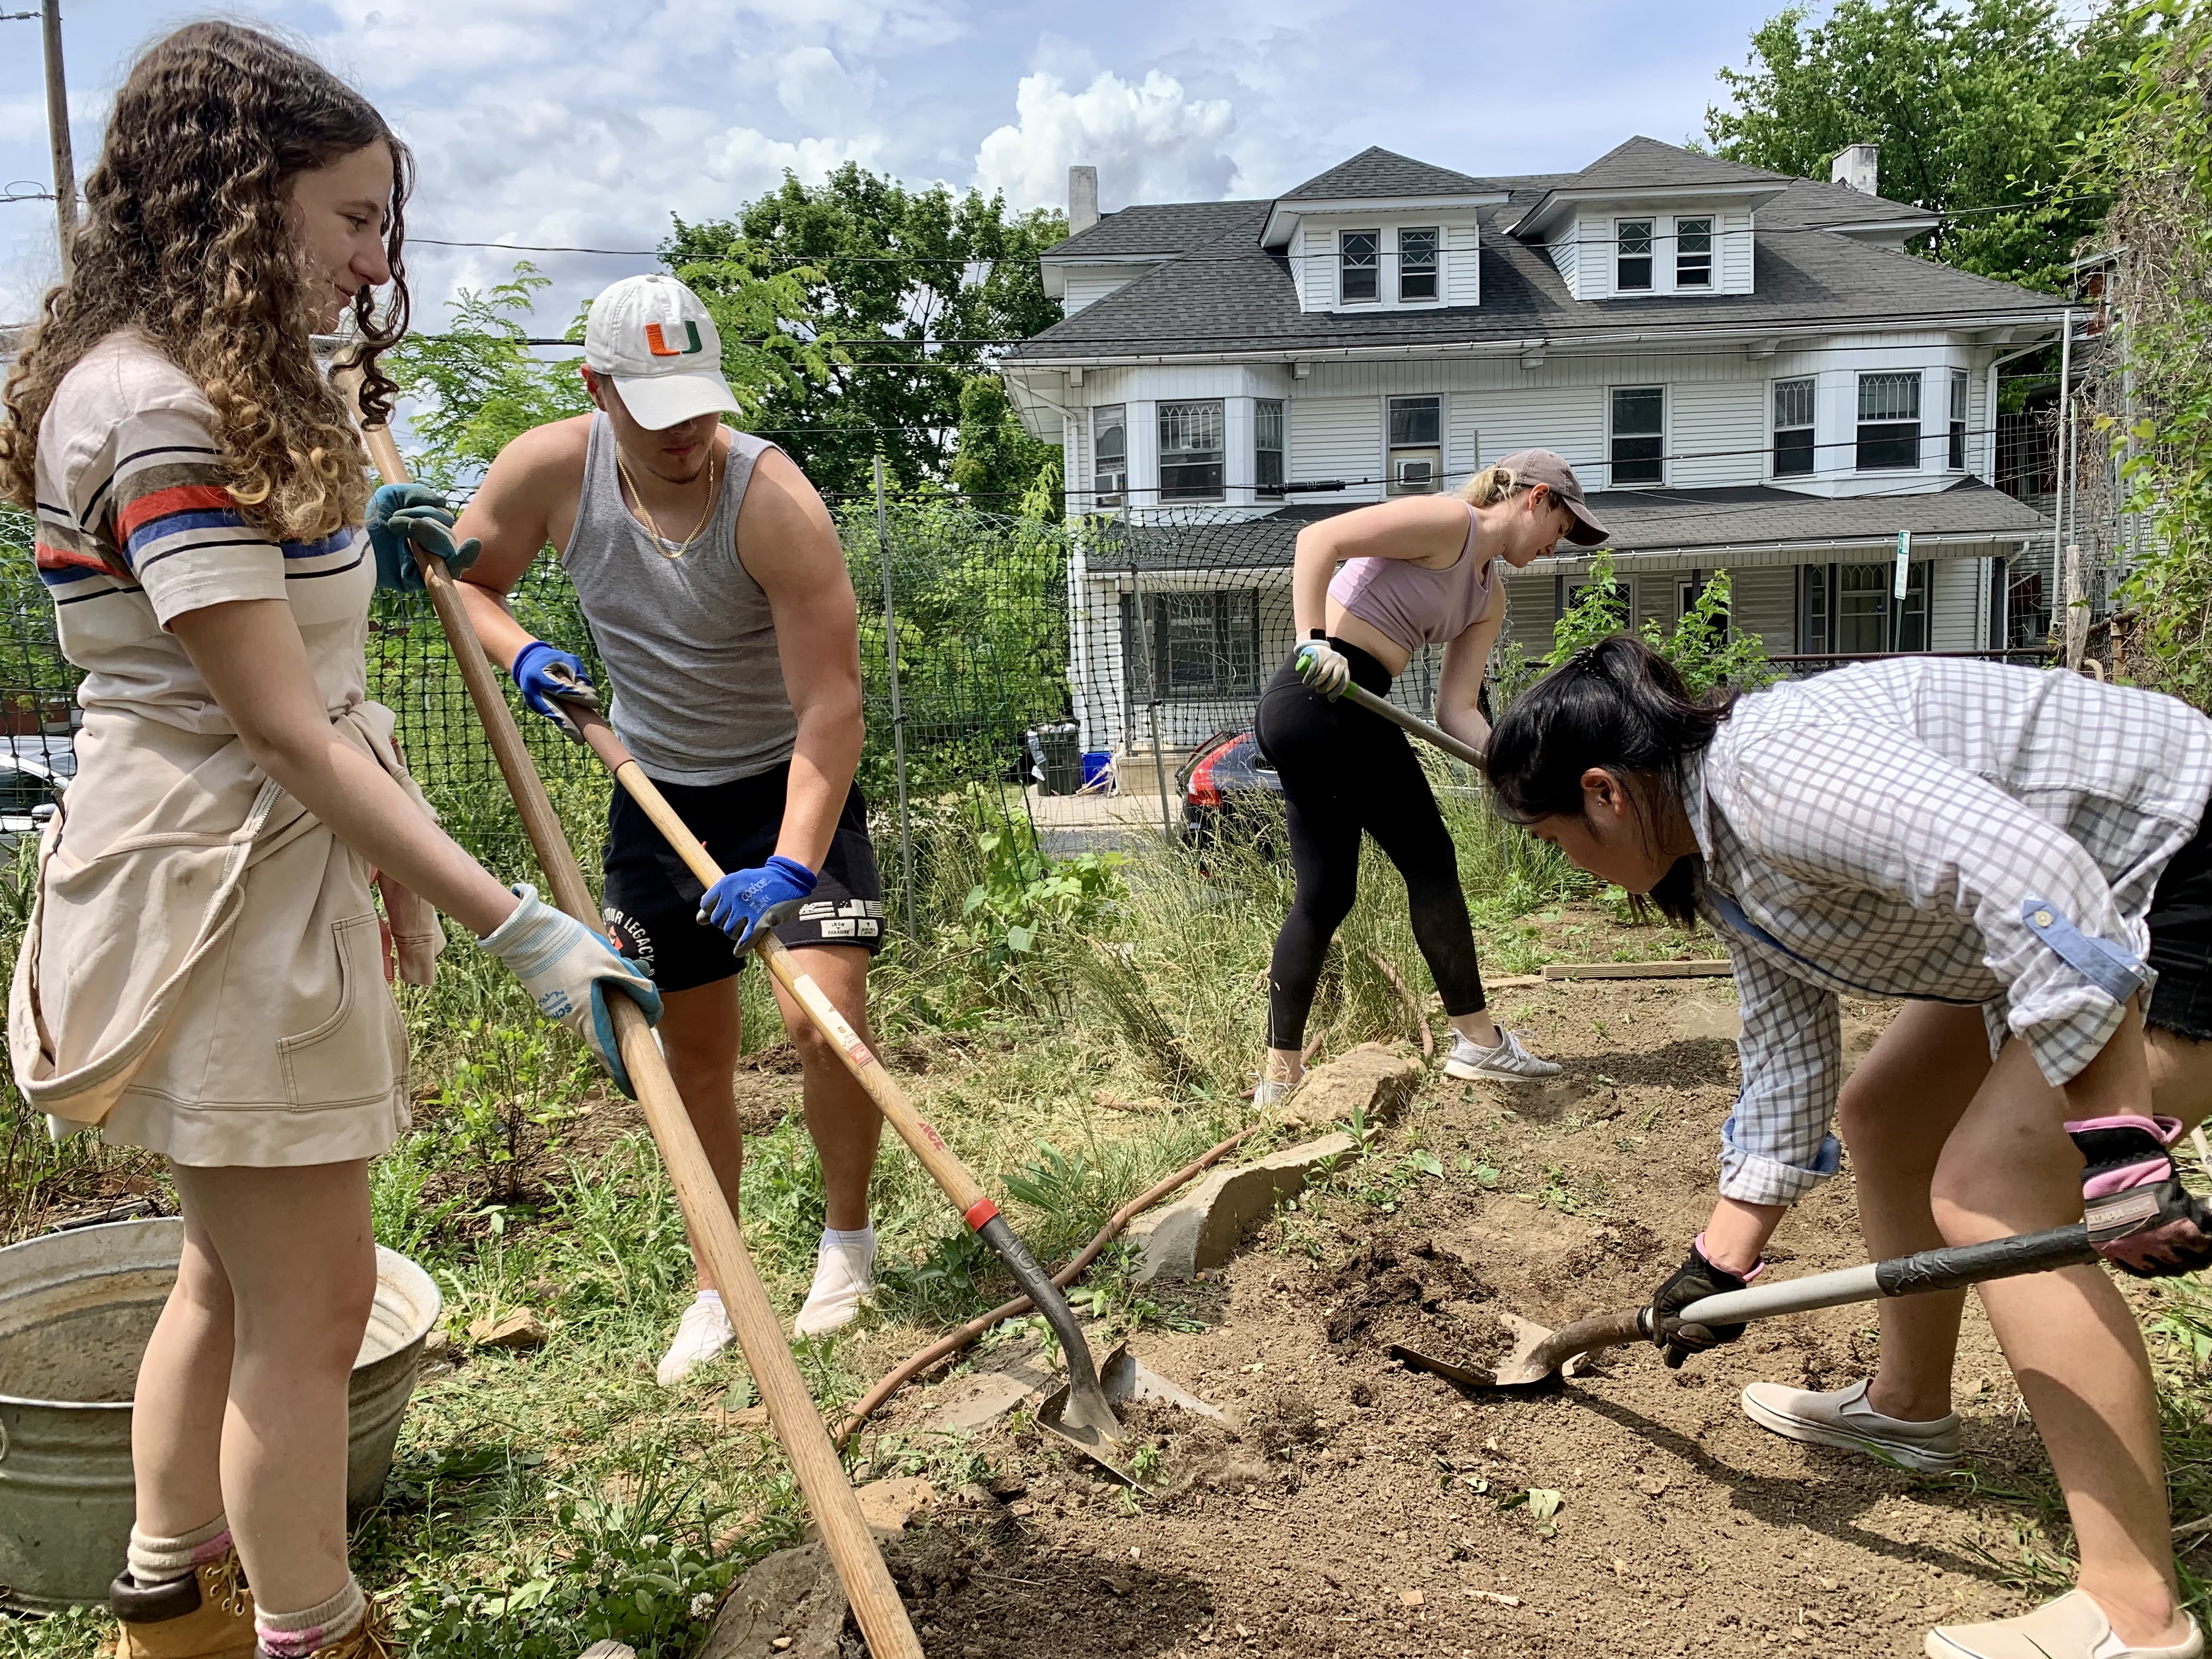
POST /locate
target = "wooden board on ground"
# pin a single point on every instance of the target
(1699, 968)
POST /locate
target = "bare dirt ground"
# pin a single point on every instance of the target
(1356, 1508)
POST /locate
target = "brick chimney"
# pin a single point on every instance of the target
(1856, 168)
(1082, 199)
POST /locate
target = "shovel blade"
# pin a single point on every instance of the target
(1523, 1366)
(1086, 1419)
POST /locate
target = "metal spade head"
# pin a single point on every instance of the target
(1085, 1416)
(1539, 1353)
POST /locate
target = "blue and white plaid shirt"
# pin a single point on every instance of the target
(1941, 829)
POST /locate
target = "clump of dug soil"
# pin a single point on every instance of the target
(1415, 1292)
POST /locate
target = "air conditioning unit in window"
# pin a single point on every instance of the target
(1413, 474)
(1108, 487)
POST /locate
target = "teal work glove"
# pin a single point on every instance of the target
(567, 969)
(402, 517)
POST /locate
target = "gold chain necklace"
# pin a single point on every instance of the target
(661, 544)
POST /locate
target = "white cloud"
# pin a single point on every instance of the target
(1150, 141)
(813, 87)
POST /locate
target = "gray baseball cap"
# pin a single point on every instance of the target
(1549, 468)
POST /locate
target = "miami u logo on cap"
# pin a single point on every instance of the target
(657, 342)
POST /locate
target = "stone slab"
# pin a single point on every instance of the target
(1374, 1081)
(1204, 1228)
(788, 1606)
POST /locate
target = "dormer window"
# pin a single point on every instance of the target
(1631, 265)
(1693, 253)
(1359, 264)
(1417, 264)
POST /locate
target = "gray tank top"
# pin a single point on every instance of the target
(689, 643)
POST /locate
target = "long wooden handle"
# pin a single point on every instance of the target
(791, 1410)
(921, 1136)
(1427, 731)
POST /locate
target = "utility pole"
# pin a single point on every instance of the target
(57, 134)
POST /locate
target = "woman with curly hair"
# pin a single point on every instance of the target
(204, 972)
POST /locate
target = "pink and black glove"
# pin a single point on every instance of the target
(2141, 1217)
(1694, 1281)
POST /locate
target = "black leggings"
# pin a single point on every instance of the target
(1344, 770)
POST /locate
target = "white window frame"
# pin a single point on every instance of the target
(1261, 491)
(1775, 429)
(1711, 222)
(1115, 497)
(1221, 417)
(1958, 422)
(1436, 234)
(1376, 269)
(1650, 223)
(1666, 417)
(1392, 450)
(1859, 422)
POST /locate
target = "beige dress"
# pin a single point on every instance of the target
(205, 975)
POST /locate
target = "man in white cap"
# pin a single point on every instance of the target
(712, 577)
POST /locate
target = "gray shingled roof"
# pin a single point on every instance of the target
(1230, 295)
(1379, 171)
(1162, 227)
(1642, 522)
(1645, 163)
(1808, 205)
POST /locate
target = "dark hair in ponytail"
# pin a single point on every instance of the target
(1619, 706)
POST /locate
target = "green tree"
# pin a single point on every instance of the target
(910, 285)
(1980, 109)
(996, 462)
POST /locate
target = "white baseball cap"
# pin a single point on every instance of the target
(654, 339)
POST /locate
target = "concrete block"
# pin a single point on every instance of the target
(1374, 1078)
(887, 1505)
(1204, 1228)
(788, 1606)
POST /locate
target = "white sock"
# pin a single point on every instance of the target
(164, 1560)
(712, 1298)
(857, 1238)
(296, 1635)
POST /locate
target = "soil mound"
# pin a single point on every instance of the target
(1392, 1282)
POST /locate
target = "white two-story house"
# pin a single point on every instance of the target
(1747, 371)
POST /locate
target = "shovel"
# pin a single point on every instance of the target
(1080, 1414)
(1540, 1354)
(1360, 697)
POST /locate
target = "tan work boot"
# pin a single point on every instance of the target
(206, 1614)
(372, 1638)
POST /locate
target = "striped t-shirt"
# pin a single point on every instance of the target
(136, 527)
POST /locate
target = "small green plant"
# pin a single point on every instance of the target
(1704, 648)
(517, 1079)
(1026, 893)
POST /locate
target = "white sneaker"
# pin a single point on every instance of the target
(1843, 1419)
(703, 1332)
(1508, 1062)
(844, 1275)
(1272, 1091)
(2072, 1627)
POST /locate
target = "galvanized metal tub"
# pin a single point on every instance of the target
(76, 1311)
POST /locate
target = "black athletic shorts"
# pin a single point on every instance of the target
(651, 898)
(2181, 941)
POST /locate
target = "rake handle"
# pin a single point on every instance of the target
(845, 1533)
(920, 1135)
(1360, 697)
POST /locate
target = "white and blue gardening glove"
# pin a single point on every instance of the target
(404, 516)
(1324, 668)
(745, 900)
(567, 969)
(547, 676)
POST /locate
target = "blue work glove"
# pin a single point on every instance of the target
(546, 676)
(745, 900)
(567, 969)
(402, 517)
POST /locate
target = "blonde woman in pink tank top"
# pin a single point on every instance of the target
(1369, 588)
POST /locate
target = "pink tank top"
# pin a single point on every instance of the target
(1411, 604)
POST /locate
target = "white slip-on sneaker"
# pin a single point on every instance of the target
(2072, 1627)
(1508, 1062)
(844, 1273)
(703, 1332)
(1843, 1419)
(1272, 1091)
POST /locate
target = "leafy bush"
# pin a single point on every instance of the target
(1025, 893)
(1705, 651)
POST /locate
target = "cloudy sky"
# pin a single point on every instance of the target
(584, 122)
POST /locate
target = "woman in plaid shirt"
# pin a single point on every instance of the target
(2018, 854)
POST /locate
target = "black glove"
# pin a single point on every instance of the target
(1694, 1279)
(2141, 1217)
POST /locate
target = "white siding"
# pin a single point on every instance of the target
(1462, 284)
(1529, 603)
(1566, 248)
(1954, 605)
(1088, 290)
(1569, 419)
(1981, 440)
(1462, 440)
(1653, 598)
(1763, 601)
(1317, 267)
(1733, 256)
(1719, 430)
(1337, 438)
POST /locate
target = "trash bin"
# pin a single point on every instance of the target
(1099, 770)
(1055, 758)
